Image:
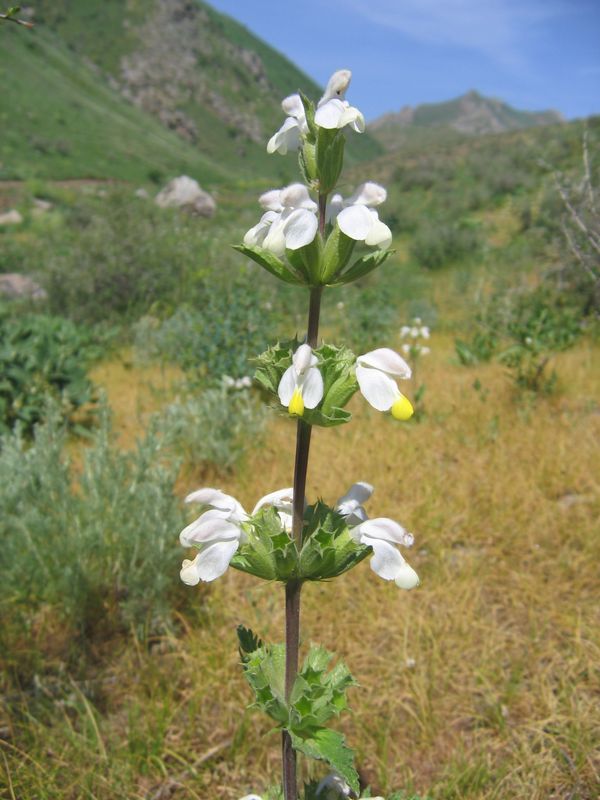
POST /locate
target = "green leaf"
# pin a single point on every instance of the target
(329, 158)
(272, 363)
(309, 113)
(336, 365)
(307, 260)
(336, 255)
(269, 261)
(249, 641)
(328, 548)
(269, 552)
(363, 266)
(307, 160)
(329, 746)
(264, 669)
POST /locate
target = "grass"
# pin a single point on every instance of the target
(60, 121)
(63, 115)
(482, 684)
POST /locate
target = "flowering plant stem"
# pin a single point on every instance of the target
(293, 588)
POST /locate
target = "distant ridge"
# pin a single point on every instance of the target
(472, 114)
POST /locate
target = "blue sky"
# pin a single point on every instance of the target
(535, 54)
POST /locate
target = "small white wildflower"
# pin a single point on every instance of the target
(301, 385)
(335, 112)
(357, 218)
(376, 372)
(289, 222)
(387, 562)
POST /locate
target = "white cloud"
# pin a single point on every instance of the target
(497, 28)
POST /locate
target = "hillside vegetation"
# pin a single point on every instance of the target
(143, 91)
(124, 385)
(472, 114)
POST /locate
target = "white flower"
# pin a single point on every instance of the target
(217, 533)
(406, 348)
(387, 561)
(376, 372)
(350, 506)
(301, 385)
(335, 112)
(290, 220)
(332, 787)
(425, 332)
(283, 502)
(357, 218)
(424, 351)
(404, 331)
(288, 136)
(251, 797)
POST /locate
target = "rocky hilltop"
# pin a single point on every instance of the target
(471, 114)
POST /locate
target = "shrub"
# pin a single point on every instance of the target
(40, 357)
(216, 426)
(522, 329)
(97, 549)
(439, 243)
(230, 327)
(122, 255)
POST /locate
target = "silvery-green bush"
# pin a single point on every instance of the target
(91, 542)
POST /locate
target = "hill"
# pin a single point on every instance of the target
(471, 114)
(107, 89)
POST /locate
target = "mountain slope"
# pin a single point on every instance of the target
(206, 79)
(470, 114)
(59, 121)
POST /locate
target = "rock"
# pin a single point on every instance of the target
(571, 499)
(11, 217)
(14, 285)
(42, 205)
(185, 192)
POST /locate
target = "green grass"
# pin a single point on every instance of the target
(60, 121)
(63, 116)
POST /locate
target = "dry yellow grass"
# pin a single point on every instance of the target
(482, 684)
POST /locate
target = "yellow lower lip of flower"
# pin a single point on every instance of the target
(402, 408)
(296, 405)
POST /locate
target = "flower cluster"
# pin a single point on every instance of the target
(289, 223)
(376, 372)
(414, 333)
(311, 235)
(219, 531)
(333, 112)
(236, 383)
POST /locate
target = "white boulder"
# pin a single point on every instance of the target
(12, 217)
(185, 192)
